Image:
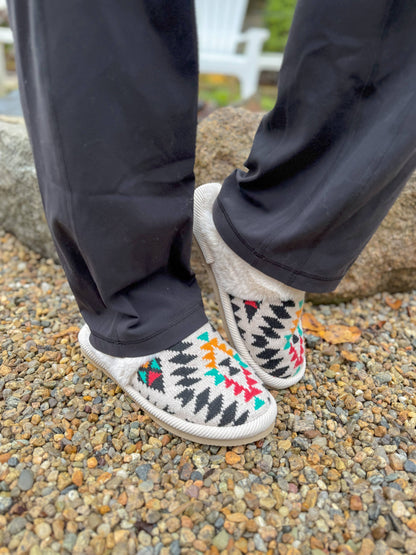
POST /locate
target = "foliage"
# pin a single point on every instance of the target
(278, 15)
(267, 102)
(219, 96)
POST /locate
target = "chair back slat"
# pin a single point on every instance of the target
(219, 24)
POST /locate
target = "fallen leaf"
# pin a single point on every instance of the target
(341, 334)
(310, 324)
(394, 304)
(334, 333)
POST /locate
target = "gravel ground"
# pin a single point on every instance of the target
(83, 470)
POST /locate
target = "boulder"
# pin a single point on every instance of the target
(388, 263)
(21, 211)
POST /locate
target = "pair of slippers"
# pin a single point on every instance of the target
(203, 389)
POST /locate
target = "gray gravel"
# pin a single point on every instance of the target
(83, 470)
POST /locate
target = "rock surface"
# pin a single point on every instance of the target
(21, 211)
(388, 263)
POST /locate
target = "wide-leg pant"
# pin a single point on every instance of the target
(109, 92)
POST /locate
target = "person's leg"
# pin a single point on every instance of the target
(109, 91)
(332, 156)
(326, 165)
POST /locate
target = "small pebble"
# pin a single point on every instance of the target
(142, 471)
(26, 480)
(221, 540)
(410, 466)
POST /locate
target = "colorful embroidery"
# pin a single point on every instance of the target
(272, 333)
(150, 374)
(214, 349)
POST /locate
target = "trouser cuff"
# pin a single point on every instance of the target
(298, 279)
(159, 341)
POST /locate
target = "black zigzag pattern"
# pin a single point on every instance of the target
(236, 309)
(181, 346)
(260, 341)
(226, 362)
(267, 354)
(182, 358)
(187, 377)
(201, 400)
(232, 370)
(186, 395)
(263, 326)
(278, 372)
(272, 364)
(251, 309)
(228, 415)
(280, 311)
(184, 371)
(241, 419)
(214, 408)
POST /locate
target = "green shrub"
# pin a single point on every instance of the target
(278, 16)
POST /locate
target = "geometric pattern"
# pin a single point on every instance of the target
(203, 380)
(150, 373)
(272, 334)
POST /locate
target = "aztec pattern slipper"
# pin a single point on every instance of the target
(199, 389)
(261, 315)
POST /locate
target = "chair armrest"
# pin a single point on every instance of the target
(6, 35)
(254, 34)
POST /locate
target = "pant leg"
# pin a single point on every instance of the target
(329, 160)
(109, 92)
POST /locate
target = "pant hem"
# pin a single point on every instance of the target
(158, 342)
(297, 279)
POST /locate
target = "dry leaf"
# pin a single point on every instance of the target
(395, 305)
(341, 334)
(334, 333)
(310, 324)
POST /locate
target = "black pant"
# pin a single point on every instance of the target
(109, 92)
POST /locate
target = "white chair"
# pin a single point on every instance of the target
(6, 37)
(219, 24)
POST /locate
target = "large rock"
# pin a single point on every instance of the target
(388, 263)
(21, 211)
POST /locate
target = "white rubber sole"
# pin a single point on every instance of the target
(226, 311)
(208, 435)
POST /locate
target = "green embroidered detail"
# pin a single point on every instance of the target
(204, 336)
(154, 365)
(287, 345)
(218, 377)
(143, 376)
(258, 403)
(238, 359)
